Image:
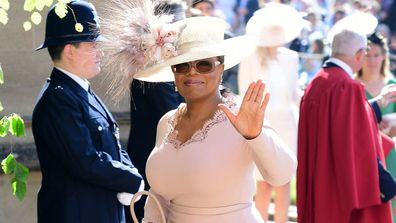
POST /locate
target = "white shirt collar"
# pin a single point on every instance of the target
(343, 65)
(84, 83)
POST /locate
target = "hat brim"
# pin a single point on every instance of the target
(233, 50)
(360, 22)
(71, 39)
(275, 15)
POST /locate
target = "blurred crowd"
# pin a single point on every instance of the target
(295, 42)
(319, 16)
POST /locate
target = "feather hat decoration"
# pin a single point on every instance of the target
(142, 45)
(136, 40)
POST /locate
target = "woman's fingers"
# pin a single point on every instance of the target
(260, 92)
(249, 92)
(253, 92)
(256, 90)
(248, 120)
(265, 102)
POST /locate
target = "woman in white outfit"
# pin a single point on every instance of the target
(277, 66)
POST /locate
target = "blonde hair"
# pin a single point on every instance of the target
(264, 55)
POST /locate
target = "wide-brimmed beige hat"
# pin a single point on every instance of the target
(202, 37)
(275, 24)
(143, 44)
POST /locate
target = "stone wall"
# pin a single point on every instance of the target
(25, 72)
(14, 211)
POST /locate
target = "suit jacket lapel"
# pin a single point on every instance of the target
(58, 76)
(100, 102)
(92, 100)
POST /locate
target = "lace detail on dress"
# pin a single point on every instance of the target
(201, 134)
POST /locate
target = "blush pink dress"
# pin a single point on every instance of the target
(210, 178)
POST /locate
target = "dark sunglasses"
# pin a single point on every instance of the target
(202, 66)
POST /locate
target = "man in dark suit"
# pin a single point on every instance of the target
(84, 169)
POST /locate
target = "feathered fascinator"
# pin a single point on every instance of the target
(136, 40)
(142, 45)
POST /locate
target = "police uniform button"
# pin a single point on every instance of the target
(100, 128)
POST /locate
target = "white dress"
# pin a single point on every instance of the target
(280, 76)
(210, 178)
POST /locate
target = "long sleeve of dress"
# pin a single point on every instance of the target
(275, 161)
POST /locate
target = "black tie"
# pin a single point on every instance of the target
(90, 91)
(98, 101)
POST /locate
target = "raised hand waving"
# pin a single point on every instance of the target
(249, 120)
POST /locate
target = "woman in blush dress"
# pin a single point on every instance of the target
(203, 163)
(202, 166)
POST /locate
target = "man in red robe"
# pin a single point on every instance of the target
(339, 143)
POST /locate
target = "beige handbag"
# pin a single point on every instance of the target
(149, 194)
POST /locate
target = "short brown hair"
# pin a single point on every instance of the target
(55, 52)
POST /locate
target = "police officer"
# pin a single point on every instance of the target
(83, 167)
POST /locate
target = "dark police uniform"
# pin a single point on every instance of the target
(77, 139)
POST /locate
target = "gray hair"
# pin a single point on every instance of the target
(348, 42)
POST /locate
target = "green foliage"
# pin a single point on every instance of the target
(19, 188)
(4, 126)
(4, 6)
(21, 173)
(8, 164)
(35, 7)
(36, 18)
(61, 10)
(31, 5)
(1, 74)
(27, 25)
(14, 125)
(17, 126)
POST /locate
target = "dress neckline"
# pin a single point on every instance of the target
(202, 133)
